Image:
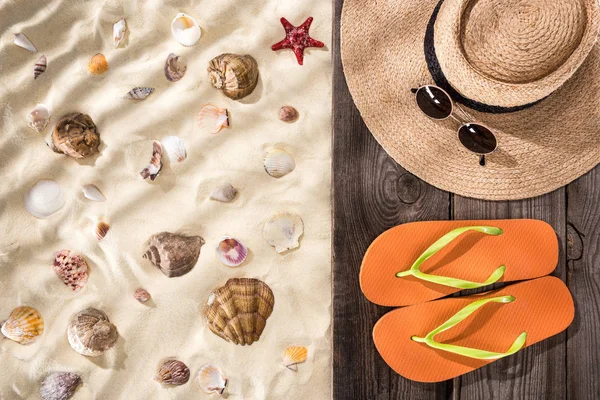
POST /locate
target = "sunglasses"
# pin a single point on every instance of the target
(437, 104)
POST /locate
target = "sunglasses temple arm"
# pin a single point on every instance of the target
(468, 116)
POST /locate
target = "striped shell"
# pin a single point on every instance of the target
(231, 252)
(71, 268)
(155, 165)
(211, 380)
(283, 231)
(173, 372)
(59, 386)
(138, 93)
(293, 356)
(212, 119)
(98, 64)
(278, 163)
(90, 333)
(23, 325)
(40, 67)
(174, 254)
(101, 230)
(236, 75)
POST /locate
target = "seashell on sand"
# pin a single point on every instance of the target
(174, 254)
(138, 93)
(283, 231)
(175, 67)
(231, 252)
(98, 64)
(173, 372)
(59, 386)
(40, 67)
(119, 30)
(155, 166)
(174, 147)
(38, 118)
(293, 356)
(23, 42)
(278, 163)
(92, 192)
(236, 75)
(71, 268)
(212, 119)
(211, 380)
(224, 193)
(288, 114)
(141, 295)
(238, 311)
(90, 333)
(101, 230)
(44, 198)
(23, 325)
(185, 30)
(76, 135)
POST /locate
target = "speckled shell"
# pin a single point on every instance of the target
(173, 372)
(211, 380)
(238, 311)
(141, 295)
(90, 333)
(23, 325)
(76, 135)
(236, 75)
(59, 386)
(174, 254)
(71, 268)
(288, 114)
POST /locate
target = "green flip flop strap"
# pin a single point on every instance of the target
(467, 351)
(447, 281)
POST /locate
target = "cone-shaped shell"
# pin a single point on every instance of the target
(71, 268)
(231, 252)
(212, 119)
(283, 231)
(138, 93)
(173, 372)
(293, 356)
(175, 68)
(278, 163)
(23, 325)
(90, 333)
(236, 75)
(98, 64)
(185, 30)
(59, 386)
(174, 254)
(44, 198)
(211, 380)
(38, 118)
(76, 135)
(23, 41)
(238, 311)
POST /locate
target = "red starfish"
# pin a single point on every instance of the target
(297, 39)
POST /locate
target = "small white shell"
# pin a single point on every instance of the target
(175, 148)
(185, 30)
(224, 193)
(38, 118)
(44, 198)
(278, 163)
(231, 252)
(23, 41)
(283, 231)
(119, 29)
(92, 192)
(211, 379)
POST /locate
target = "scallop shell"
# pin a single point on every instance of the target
(90, 333)
(44, 198)
(211, 380)
(288, 114)
(175, 67)
(71, 268)
(283, 231)
(174, 254)
(224, 193)
(24, 325)
(59, 386)
(236, 75)
(185, 30)
(76, 135)
(40, 67)
(231, 252)
(141, 295)
(38, 118)
(101, 230)
(92, 192)
(278, 163)
(119, 30)
(138, 93)
(238, 311)
(293, 356)
(155, 166)
(173, 372)
(98, 64)
(212, 119)
(175, 148)
(23, 41)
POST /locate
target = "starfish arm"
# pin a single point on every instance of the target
(306, 24)
(286, 24)
(299, 55)
(315, 43)
(284, 44)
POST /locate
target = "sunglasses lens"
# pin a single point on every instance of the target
(477, 138)
(434, 102)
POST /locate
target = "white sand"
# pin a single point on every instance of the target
(69, 33)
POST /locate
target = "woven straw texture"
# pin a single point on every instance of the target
(540, 148)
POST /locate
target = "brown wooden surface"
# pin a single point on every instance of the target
(372, 193)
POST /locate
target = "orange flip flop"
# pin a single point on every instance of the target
(422, 261)
(440, 340)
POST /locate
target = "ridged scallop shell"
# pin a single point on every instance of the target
(175, 67)
(288, 114)
(44, 198)
(238, 311)
(71, 268)
(212, 119)
(40, 67)
(293, 356)
(90, 333)
(101, 230)
(236, 75)
(141, 295)
(119, 30)
(59, 386)
(211, 380)
(38, 118)
(138, 93)
(23, 325)
(173, 372)
(155, 165)
(278, 163)
(98, 64)
(185, 30)
(283, 231)
(174, 254)
(76, 135)
(92, 192)
(224, 193)
(231, 252)
(23, 42)
(175, 148)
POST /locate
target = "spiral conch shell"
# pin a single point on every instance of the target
(76, 135)
(59, 386)
(175, 68)
(90, 333)
(236, 75)
(238, 311)
(174, 254)
(23, 325)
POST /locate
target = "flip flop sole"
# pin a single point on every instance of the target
(528, 248)
(542, 307)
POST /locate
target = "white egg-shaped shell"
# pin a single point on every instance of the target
(119, 29)
(231, 252)
(92, 192)
(211, 380)
(23, 41)
(278, 163)
(38, 118)
(224, 193)
(44, 198)
(283, 231)
(175, 148)
(185, 30)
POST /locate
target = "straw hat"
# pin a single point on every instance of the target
(528, 69)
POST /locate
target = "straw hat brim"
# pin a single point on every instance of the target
(539, 149)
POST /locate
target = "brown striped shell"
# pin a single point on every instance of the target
(23, 325)
(59, 386)
(174, 254)
(236, 75)
(76, 135)
(90, 332)
(173, 372)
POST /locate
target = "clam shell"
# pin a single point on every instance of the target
(119, 30)
(174, 254)
(175, 148)
(211, 380)
(293, 356)
(92, 192)
(185, 30)
(141, 295)
(40, 67)
(173, 372)
(138, 93)
(288, 114)
(23, 325)
(224, 193)
(283, 231)
(38, 118)
(155, 165)
(231, 252)
(71, 268)
(238, 311)
(98, 64)
(212, 119)
(236, 75)
(23, 42)
(76, 135)
(90, 333)
(44, 198)
(101, 230)
(278, 163)
(59, 386)
(175, 67)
